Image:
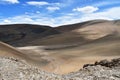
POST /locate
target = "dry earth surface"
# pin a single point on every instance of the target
(62, 49)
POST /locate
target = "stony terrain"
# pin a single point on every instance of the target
(15, 69)
(98, 71)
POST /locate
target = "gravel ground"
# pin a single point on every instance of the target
(14, 69)
(96, 73)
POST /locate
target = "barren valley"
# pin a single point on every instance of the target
(62, 49)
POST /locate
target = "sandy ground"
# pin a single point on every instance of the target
(65, 60)
(68, 60)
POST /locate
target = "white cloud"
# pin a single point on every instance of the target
(6, 21)
(53, 8)
(37, 12)
(49, 6)
(70, 18)
(105, 3)
(86, 9)
(111, 13)
(33, 18)
(37, 3)
(11, 1)
(108, 14)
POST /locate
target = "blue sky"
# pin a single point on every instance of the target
(57, 12)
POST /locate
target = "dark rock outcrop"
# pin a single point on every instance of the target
(106, 63)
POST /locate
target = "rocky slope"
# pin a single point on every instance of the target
(14, 69)
(103, 70)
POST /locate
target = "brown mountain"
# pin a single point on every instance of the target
(82, 33)
(70, 27)
(21, 34)
(73, 46)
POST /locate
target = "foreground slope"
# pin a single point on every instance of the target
(7, 51)
(33, 59)
(16, 69)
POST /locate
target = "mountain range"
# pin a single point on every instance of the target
(61, 49)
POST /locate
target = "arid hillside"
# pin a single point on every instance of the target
(67, 48)
(21, 34)
(82, 33)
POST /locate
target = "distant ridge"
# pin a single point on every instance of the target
(70, 27)
(20, 34)
(29, 34)
(81, 33)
